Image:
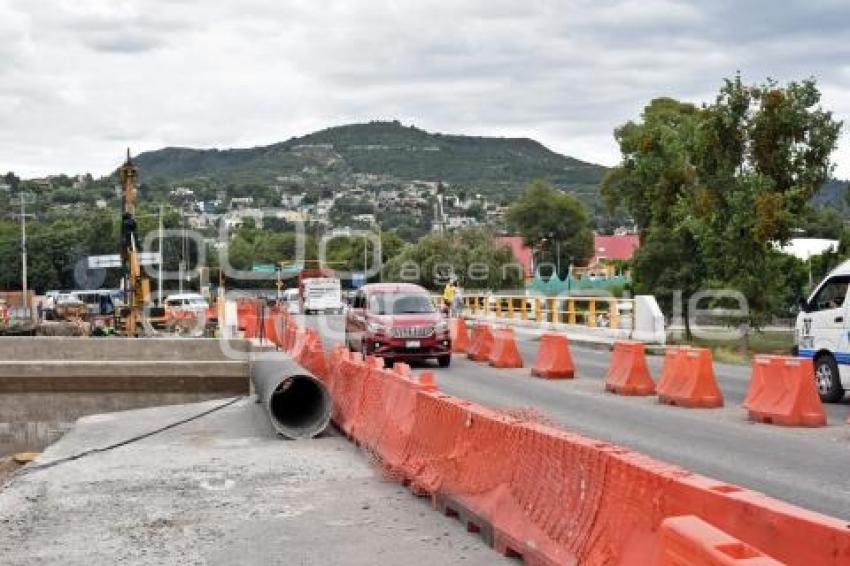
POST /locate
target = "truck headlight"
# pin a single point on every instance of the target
(441, 326)
(376, 328)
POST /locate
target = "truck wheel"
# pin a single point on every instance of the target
(827, 379)
(444, 361)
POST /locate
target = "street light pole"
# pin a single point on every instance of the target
(159, 274)
(24, 255)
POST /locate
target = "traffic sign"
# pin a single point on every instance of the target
(114, 260)
(264, 268)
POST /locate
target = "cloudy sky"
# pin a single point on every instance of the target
(82, 79)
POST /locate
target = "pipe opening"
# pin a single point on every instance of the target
(299, 404)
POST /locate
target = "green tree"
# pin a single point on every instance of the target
(472, 255)
(543, 215)
(719, 185)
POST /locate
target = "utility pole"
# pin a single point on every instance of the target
(24, 280)
(24, 255)
(161, 257)
(365, 259)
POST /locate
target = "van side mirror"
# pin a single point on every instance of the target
(804, 305)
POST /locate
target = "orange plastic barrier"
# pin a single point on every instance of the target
(782, 391)
(312, 355)
(591, 503)
(289, 336)
(251, 325)
(687, 379)
(299, 343)
(690, 541)
(482, 343)
(628, 373)
(246, 309)
(459, 335)
(504, 353)
(270, 327)
(554, 360)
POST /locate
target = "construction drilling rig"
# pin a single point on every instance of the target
(136, 285)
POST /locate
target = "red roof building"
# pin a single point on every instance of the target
(618, 247)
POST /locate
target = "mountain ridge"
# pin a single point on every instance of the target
(386, 150)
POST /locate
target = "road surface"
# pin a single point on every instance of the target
(807, 467)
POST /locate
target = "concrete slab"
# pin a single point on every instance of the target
(221, 489)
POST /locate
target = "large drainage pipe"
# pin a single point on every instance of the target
(297, 403)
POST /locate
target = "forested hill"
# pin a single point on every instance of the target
(388, 151)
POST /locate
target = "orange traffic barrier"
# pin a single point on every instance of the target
(687, 379)
(782, 391)
(690, 541)
(628, 373)
(592, 503)
(482, 343)
(299, 343)
(251, 326)
(504, 353)
(460, 338)
(554, 360)
(312, 355)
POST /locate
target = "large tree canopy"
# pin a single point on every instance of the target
(713, 188)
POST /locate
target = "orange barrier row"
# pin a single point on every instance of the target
(554, 360)
(687, 379)
(591, 503)
(690, 541)
(504, 352)
(628, 373)
(782, 391)
(480, 344)
(459, 335)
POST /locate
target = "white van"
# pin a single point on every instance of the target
(186, 302)
(822, 332)
(292, 301)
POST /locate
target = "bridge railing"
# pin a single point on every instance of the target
(591, 312)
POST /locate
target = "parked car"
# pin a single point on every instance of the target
(397, 321)
(823, 333)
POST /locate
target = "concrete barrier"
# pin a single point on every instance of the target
(46, 383)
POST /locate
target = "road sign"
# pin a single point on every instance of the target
(264, 268)
(289, 270)
(114, 260)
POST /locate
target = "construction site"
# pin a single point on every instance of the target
(304, 429)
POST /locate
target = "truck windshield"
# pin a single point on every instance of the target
(400, 303)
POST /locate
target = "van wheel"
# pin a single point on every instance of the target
(828, 380)
(444, 361)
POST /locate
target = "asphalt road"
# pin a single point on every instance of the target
(807, 467)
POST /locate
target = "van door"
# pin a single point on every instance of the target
(827, 321)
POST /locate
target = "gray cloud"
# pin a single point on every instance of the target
(81, 78)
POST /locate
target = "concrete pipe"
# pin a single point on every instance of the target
(298, 404)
